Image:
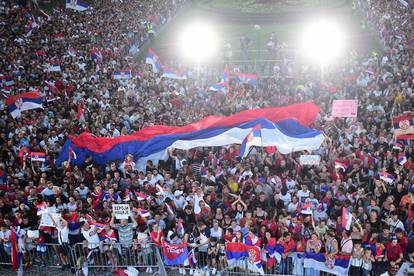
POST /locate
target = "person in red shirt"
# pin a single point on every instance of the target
(394, 255)
(402, 239)
(156, 235)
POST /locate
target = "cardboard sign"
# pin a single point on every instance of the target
(121, 211)
(345, 108)
(310, 160)
(46, 221)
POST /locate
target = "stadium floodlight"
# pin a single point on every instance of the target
(323, 41)
(198, 42)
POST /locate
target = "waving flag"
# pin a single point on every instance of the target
(58, 37)
(254, 138)
(41, 208)
(22, 102)
(175, 254)
(172, 74)
(404, 127)
(153, 59)
(220, 86)
(346, 219)
(38, 156)
(96, 55)
(238, 254)
(15, 254)
(282, 127)
(340, 165)
(247, 78)
(80, 116)
(398, 146)
(54, 68)
(76, 5)
(142, 212)
(122, 74)
(387, 177)
(402, 159)
(317, 261)
(140, 196)
(223, 84)
(72, 155)
(6, 80)
(307, 209)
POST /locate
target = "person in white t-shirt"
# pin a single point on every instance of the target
(303, 194)
(216, 231)
(63, 239)
(90, 234)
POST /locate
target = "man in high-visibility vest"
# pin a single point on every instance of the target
(150, 31)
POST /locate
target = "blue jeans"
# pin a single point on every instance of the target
(311, 272)
(365, 272)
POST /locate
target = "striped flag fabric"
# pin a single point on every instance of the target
(254, 138)
(340, 165)
(22, 102)
(386, 177)
(122, 74)
(38, 156)
(346, 219)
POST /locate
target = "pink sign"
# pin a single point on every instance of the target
(345, 108)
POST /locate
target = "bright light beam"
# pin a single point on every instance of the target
(198, 42)
(323, 41)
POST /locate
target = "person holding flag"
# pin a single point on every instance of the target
(63, 239)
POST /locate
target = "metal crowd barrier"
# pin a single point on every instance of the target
(109, 257)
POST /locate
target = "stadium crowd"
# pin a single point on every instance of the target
(205, 196)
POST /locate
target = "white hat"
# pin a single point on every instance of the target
(178, 193)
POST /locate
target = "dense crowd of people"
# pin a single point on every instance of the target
(204, 197)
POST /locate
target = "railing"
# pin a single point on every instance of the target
(102, 258)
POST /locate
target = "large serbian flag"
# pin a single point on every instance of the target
(175, 254)
(242, 255)
(22, 102)
(283, 127)
(404, 126)
(317, 261)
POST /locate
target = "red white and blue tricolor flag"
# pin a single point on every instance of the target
(41, 208)
(247, 78)
(122, 74)
(283, 127)
(402, 159)
(16, 256)
(153, 59)
(223, 84)
(254, 138)
(22, 102)
(387, 177)
(76, 5)
(6, 80)
(237, 253)
(38, 156)
(317, 262)
(340, 165)
(175, 254)
(172, 74)
(346, 219)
